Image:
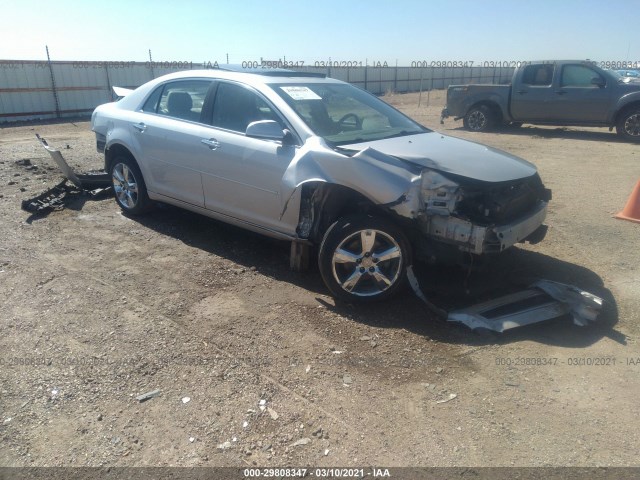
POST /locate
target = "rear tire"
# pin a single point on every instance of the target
(479, 119)
(628, 125)
(129, 187)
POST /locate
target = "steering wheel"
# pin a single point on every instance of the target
(350, 121)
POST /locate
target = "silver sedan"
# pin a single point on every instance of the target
(317, 162)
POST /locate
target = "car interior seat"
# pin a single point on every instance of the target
(179, 104)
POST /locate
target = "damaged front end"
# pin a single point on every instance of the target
(449, 215)
(482, 217)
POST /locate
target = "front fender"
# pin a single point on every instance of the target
(378, 177)
(624, 101)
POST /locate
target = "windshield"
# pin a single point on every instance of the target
(625, 74)
(343, 114)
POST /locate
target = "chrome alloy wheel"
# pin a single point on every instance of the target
(477, 120)
(125, 186)
(367, 263)
(632, 125)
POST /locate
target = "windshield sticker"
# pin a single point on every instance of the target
(301, 93)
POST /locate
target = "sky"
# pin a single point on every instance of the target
(372, 31)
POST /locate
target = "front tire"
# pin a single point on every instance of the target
(129, 186)
(479, 119)
(628, 125)
(364, 259)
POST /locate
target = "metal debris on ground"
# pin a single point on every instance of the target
(583, 306)
(302, 441)
(413, 281)
(52, 199)
(542, 301)
(146, 396)
(57, 197)
(86, 181)
(448, 399)
(93, 184)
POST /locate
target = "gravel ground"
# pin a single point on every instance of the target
(257, 365)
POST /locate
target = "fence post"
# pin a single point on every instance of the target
(365, 77)
(429, 93)
(153, 75)
(53, 83)
(420, 94)
(106, 71)
(395, 78)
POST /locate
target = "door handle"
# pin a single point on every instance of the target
(561, 92)
(212, 143)
(522, 92)
(141, 127)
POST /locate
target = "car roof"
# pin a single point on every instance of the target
(268, 71)
(252, 76)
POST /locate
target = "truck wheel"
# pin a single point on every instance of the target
(628, 125)
(364, 258)
(478, 119)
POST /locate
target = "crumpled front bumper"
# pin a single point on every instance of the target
(542, 301)
(469, 237)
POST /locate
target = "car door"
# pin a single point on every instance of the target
(577, 98)
(242, 175)
(170, 135)
(532, 93)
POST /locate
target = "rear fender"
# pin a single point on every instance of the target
(492, 100)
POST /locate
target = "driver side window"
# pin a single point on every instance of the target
(578, 76)
(235, 107)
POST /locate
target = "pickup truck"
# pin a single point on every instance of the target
(575, 93)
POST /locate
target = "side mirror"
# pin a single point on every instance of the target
(265, 129)
(599, 81)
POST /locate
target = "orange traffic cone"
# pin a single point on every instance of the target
(631, 210)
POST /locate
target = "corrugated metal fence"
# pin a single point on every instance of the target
(33, 89)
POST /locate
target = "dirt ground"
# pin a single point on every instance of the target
(257, 365)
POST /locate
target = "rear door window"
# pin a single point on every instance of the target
(181, 99)
(539, 75)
